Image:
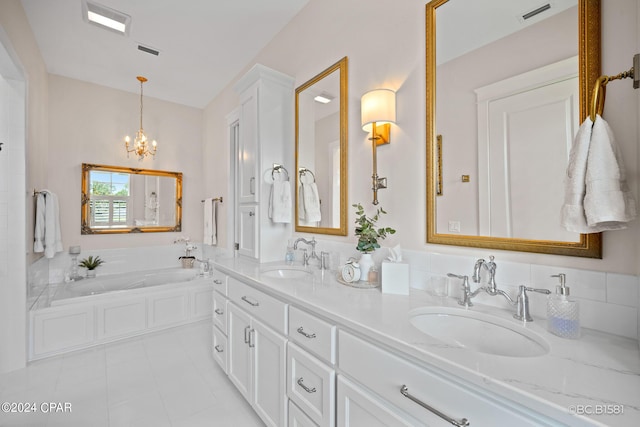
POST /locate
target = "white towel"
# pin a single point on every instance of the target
(47, 235)
(608, 203)
(210, 222)
(280, 202)
(594, 182)
(311, 201)
(38, 233)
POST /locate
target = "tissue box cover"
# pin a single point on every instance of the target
(395, 278)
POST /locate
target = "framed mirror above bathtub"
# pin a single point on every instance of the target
(321, 152)
(125, 200)
(507, 87)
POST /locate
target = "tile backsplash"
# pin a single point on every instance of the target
(608, 301)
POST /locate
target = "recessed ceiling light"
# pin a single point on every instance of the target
(105, 17)
(323, 98)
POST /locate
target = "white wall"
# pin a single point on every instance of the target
(22, 169)
(88, 124)
(385, 43)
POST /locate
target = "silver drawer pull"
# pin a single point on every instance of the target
(302, 332)
(246, 334)
(245, 299)
(218, 349)
(304, 387)
(217, 282)
(459, 423)
(218, 312)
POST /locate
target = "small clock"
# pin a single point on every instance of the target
(351, 271)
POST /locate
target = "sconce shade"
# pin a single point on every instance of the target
(378, 106)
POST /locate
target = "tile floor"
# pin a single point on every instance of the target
(161, 379)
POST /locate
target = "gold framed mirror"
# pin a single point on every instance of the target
(478, 195)
(321, 152)
(125, 200)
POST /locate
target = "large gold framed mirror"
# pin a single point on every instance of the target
(321, 152)
(507, 87)
(124, 200)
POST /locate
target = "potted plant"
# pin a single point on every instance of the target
(91, 263)
(368, 236)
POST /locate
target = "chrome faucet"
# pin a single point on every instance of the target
(306, 258)
(492, 287)
(521, 303)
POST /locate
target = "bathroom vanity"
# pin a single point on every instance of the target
(305, 350)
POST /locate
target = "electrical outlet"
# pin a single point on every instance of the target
(454, 226)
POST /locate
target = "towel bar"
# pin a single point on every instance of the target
(217, 199)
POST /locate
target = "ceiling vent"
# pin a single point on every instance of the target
(536, 11)
(148, 50)
(105, 17)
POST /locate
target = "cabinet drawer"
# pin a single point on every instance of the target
(220, 312)
(315, 335)
(270, 310)
(311, 385)
(297, 418)
(220, 349)
(219, 282)
(385, 374)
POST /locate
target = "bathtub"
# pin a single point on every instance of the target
(67, 293)
(90, 312)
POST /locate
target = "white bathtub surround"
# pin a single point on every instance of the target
(608, 301)
(84, 313)
(597, 369)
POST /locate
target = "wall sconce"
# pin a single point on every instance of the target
(141, 142)
(378, 112)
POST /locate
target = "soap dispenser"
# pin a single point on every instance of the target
(563, 313)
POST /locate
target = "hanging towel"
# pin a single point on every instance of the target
(608, 203)
(47, 235)
(210, 222)
(595, 186)
(38, 233)
(280, 202)
(311, 201)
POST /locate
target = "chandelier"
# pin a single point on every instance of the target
(141, 142)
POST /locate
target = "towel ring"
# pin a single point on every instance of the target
(303, 171)
(599, 88)
(598, 96)
(277, 168)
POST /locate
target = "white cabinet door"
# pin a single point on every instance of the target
(248, 231)
(269, 374)
(247, 171)
(239, 357)
(358, 408)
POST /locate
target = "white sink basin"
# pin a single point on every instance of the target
(478, 331)
(287, 273)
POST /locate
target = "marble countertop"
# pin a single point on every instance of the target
(597, 375)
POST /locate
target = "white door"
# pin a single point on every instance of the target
(247, 171)
(524, 134)
(269, 374)
(247, 233)
(239, 358)
(526, 126)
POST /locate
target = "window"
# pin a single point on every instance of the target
(109, 199)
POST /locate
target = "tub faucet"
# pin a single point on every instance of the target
(306, 257)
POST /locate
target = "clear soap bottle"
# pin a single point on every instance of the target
(563, 313)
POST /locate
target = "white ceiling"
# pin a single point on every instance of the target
(203, 44)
